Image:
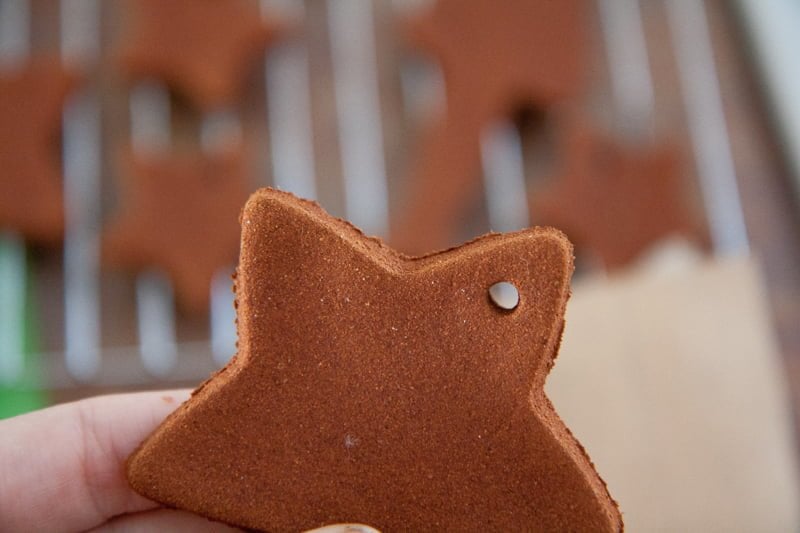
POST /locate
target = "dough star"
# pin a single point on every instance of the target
(31, 102)
(203, 48)
(497, 58)
(616, 202)
(180, 214)
(375, 388)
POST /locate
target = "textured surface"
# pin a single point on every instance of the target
(179, 214)
(31, 100)
(375, 388)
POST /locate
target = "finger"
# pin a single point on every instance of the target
(163, 520)
(62, 468)
(345, 528)
(179, 521)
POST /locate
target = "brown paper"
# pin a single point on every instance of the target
(673, 383)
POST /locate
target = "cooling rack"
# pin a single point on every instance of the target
(331, 114)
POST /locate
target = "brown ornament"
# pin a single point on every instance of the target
(497, 58)
(614, 201)
(179, 213)
(376, 388)
(202, 48)
(31, 103)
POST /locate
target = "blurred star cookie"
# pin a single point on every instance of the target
(31, 103)
(497, 58)
(179, 213)
(202, 48)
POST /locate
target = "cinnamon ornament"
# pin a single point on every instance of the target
(179, 213)
(616, 201)
(31, 104)
(497, 59)
(202, 48)
(376, 388)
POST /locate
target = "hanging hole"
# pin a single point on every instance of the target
(504, 295)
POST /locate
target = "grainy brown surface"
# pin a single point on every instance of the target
(376, 388)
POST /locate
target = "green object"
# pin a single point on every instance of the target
(25, 394)
(18, 400)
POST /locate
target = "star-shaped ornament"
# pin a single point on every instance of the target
(375, 388)
(202, 48)
(615, 202)
(31, 103)
(497, 59)
(179, 213)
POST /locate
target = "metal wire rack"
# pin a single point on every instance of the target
(343, 111)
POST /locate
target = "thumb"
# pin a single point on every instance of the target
(345, 528)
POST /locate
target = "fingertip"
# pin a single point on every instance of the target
(344, 528)
(171, 520)
(73, 454)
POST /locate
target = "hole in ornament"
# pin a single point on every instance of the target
(504, 295)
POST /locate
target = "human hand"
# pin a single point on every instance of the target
(63, 468)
